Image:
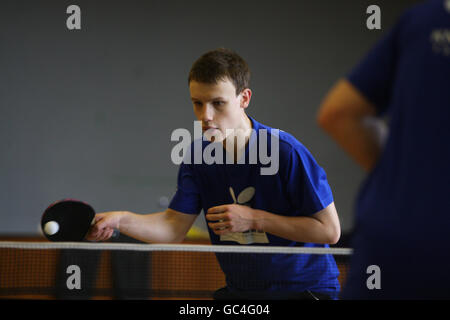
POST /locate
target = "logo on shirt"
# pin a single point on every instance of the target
(440, 41)
(250, 236)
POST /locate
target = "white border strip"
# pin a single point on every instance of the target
(171, 247)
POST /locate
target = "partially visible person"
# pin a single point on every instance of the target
(402, 221)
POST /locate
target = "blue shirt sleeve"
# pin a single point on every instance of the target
(307, 185)
(187, 197)
(374, 75)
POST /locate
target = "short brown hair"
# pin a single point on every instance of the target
(220, 64)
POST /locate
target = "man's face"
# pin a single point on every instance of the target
(217, 106)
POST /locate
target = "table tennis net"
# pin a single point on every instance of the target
(41, 270)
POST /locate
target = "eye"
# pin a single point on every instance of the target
(218, 103)
(197, 103)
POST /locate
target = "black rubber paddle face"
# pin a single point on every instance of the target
(74, 219)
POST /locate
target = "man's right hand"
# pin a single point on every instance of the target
(169, 226)
(104, 225)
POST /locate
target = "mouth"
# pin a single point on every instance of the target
(206, 128)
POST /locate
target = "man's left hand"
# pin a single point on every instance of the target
(231, 218)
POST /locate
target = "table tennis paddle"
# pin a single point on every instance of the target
(68, 220)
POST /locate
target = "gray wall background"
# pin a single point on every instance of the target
(88, 114)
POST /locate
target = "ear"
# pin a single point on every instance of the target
(246, 96)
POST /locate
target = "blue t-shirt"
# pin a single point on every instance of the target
(402, 217)
(298, 188)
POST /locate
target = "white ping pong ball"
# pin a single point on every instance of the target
(51, 228)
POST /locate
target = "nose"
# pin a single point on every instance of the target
(206, 113)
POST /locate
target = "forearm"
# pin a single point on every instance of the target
(152, 228)
(358, 139)
(350, 119)
(300, 229)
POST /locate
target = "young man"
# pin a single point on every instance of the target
(292, 206)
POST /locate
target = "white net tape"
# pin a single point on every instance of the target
(172, 247)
